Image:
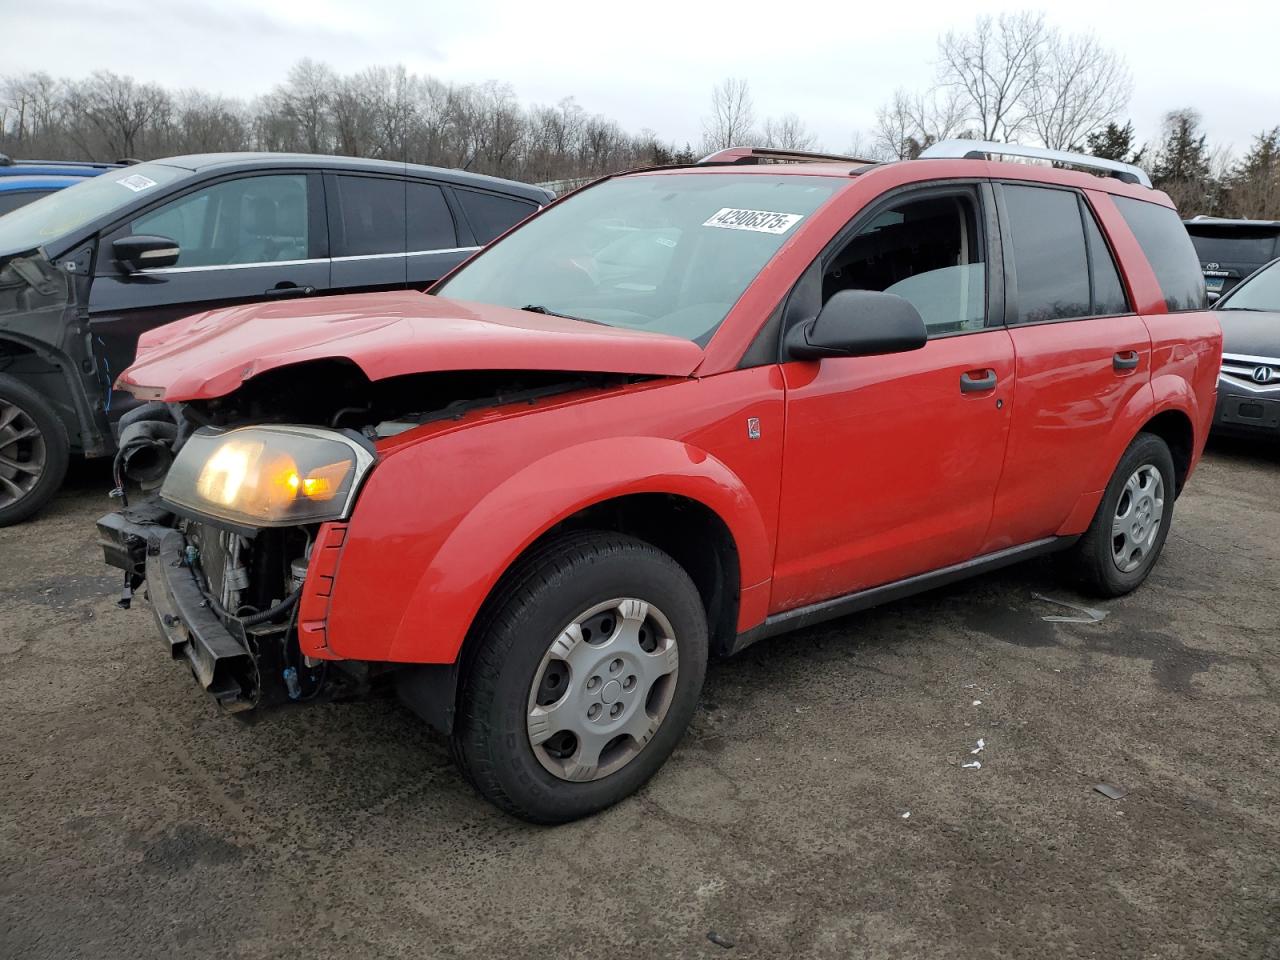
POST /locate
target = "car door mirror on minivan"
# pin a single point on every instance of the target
(858, 323)
(144, 252)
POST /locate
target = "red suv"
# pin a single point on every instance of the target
(675, 412)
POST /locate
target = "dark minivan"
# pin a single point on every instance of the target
(1230, 250)
(85, 271)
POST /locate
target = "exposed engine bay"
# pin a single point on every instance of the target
(245, 580)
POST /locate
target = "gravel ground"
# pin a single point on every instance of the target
(136, 821)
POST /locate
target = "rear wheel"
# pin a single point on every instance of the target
(33, 451)
(1128, 532)
(583, 677)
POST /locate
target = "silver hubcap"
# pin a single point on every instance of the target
(1139, 513)
(603, 689)
(22, 453)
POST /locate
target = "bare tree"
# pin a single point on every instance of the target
(732, 116)
(909, 123)
(110, 114)
(994, 68)
(1080, 86)
(305, 100)
(894, 135)
(787, 132)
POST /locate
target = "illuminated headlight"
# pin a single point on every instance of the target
(268, 476)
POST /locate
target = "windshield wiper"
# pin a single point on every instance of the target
(538, 308)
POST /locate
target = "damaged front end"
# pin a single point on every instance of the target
(234, 506)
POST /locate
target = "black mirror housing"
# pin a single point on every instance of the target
(858, 323)
(143, 252)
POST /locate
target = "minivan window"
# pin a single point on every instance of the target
(430, 222)
(691, 244)
(491, 215)
(372, 216)
(1049, 255)
(247, 220)
(1167, 247)
(59, 214)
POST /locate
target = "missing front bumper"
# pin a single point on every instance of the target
(217, 652)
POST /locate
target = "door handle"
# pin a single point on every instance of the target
(977, 381)
(287, 289)
(1125, 360)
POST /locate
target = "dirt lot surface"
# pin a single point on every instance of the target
(136, 821)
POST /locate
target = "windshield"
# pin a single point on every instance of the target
(67, 210)
(1260, 292)
(670, 253)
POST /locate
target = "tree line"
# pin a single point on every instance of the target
(381, 112)
(1011, 78)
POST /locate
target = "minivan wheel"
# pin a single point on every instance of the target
(580, 678)
(33, 451)
(1131, 524)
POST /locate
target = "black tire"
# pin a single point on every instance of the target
(57, 451)
(551, 587)
(1091, 560)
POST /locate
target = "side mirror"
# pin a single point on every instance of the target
(858, 323)
(139, 253)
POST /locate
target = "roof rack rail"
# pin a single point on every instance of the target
(745, 156)
(981, 149)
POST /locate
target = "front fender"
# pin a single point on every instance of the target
(434, 620)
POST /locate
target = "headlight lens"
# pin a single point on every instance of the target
(267, 476)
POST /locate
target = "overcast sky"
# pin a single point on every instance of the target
(651, 64)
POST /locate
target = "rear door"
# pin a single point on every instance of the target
(1082, 354)
(242, 238)
(435, 246)
(367, 229)
(891, 463)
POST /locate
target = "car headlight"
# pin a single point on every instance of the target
(267, 476)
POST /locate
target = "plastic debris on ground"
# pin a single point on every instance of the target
(1088, 614)
(972, 765)
(1111, 791)
(982, 745)
(977, 703)
(907, 815)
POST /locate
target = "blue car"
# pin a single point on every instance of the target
(22, 181)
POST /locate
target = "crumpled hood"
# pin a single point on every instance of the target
(386, 335)
(1250, 333)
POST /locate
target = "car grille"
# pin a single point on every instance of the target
(1245, 370)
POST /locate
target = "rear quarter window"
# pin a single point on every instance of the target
(1168, 248)
(492, 215)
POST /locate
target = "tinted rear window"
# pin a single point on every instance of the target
(1168, 249)
(491, 215)
(430, 222)
(1237, 249)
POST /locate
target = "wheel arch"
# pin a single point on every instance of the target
(53, 375)
(673, 495)
(1175, 428)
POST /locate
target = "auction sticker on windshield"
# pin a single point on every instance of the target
(137, 182)
(761, 221)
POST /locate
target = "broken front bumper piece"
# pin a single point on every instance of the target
(140, 542)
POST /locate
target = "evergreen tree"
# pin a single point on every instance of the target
(1255, 182)
(1114, 142)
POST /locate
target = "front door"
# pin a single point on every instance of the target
(243, 239)
(890, 464)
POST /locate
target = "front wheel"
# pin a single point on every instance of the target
(33, 451)
(584, 675)
(1128, 531)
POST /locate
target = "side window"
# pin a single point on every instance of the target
(430, 222)
(491, 215)
(1049, 256)
(249, 220)
(1168, 249)
(928, 251)
(1108, 293)
(371, 216)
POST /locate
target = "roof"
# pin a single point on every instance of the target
(204, 162)
(1228, 223)
(20, 183)
(53, 168)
